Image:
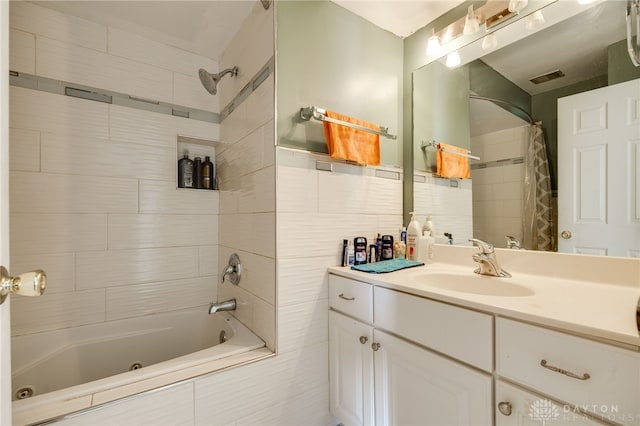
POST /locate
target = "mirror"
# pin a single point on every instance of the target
(587, 46)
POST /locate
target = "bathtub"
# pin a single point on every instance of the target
(67, 370)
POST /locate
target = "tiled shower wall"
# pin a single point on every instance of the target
(93, 186)
(247, 178)
(497, 189)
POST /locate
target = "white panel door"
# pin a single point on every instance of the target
(5, 341)
(414, 386)
(350, 370)
(599, 176)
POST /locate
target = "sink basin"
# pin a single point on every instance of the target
(475, 284)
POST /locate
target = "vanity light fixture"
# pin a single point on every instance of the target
(489, 42)
(535, 20)
(453, 59)
(517, 5)
(471, 24)
(433, 45)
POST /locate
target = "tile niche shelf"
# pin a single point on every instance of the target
(196, 147)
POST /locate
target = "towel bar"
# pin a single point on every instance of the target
(424, 145)
(319, 114)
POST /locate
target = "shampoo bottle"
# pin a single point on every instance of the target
(185, 172)
(197, 173)
(414, 231)
(207, 173)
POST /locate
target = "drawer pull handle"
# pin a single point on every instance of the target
(364, 339)
(505, 408)
(585, 376)
(342, 296)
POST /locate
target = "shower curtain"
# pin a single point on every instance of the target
(538, 232)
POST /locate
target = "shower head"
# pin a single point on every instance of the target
(210, 81)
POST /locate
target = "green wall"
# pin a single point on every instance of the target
(440, 110)
(620, 68)
(330, 58)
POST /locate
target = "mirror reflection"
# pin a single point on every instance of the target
(518, 109)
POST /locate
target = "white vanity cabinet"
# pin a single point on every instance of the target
(596, 377)
(517, 407)
(413, 385)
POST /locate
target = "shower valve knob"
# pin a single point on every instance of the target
(28, 284)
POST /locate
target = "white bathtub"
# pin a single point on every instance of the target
(94, 361)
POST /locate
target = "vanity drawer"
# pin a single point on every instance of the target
(351, 297)
(596, 377)
(460, 333)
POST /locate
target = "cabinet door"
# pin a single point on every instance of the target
(414, 386)
(350, 370)
(517, 407)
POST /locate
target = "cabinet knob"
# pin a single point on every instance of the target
(364, 339)
(375, 346)
(505, 408)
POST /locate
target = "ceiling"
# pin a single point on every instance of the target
(400, 17)
(207, 27)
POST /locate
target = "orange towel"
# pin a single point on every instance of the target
(352, 144)
(452, 165)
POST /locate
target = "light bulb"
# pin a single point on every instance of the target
(490, 41)
(433, 45)
(535, 20)
(453, 59)
(471, 25)
(517, 5)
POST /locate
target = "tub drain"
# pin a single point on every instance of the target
(135, 366)
(223, 336)
(25, 392)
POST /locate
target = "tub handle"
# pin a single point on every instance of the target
(233, 270)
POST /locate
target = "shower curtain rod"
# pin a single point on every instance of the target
(484, 98)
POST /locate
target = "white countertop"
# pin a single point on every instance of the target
(599, 300)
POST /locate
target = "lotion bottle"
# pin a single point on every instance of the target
(414, 231)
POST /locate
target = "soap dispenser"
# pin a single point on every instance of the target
(414, 230)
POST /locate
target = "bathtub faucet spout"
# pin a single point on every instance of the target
(228, 305)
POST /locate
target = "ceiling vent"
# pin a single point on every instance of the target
(547, 77)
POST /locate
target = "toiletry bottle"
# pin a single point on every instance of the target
(378, 248)
(387, 247)
(360, 244)
(197, 173)
(185, 172)
(351, 255)
(427, 226)
(414, 230)
(207, 173)
(449, 238)
(373, 255)
(345, 253)
(403, 235)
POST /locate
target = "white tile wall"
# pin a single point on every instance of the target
(497, 191)
(170, 407)
(152, 298)
(24, 150)
(93, 186)
(451, 207)
(57, 310)
(22, 52)
(41, 21)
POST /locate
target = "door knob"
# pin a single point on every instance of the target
(566, 235)
(28, 284)
(505, 408)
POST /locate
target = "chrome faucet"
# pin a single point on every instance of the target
(227, 305)
(488, 264)
(513, 243)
